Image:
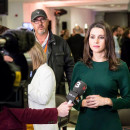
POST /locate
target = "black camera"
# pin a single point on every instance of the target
(13, 75)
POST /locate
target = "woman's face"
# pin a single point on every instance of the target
(97, 40)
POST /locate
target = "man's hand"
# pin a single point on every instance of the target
(63, 109)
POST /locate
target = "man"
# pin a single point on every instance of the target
(120, 34)
(76, 43)
(58, 53)
(115, 31)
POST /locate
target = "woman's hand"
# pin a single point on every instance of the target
(94, 101)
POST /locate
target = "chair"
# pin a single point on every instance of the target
(124, 115)
(62, 121)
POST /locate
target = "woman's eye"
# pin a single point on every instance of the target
(101, 37)
(92, 37)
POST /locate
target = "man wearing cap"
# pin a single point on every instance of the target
(59, 56)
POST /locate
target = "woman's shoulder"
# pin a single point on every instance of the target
(44, 67)
(123, 65)
(79, 64)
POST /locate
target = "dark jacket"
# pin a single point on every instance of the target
(125, 50)
(60, 59)
(76, 44)
(16, 119)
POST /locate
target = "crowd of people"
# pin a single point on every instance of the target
(100, 58)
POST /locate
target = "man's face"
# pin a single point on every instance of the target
(120, 31)
(40, 25)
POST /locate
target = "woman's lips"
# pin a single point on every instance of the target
(96, 46)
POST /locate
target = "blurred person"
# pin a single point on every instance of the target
(115, 31)
(120, 33)
(125, 49)
(62, 33)
(41, 90)
(76, 44)
(58, 53)
(82, 32)
(66, 34)
(104, 74)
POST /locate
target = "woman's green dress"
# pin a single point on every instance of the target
(101, 81)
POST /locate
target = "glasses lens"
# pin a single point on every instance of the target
(38, 21)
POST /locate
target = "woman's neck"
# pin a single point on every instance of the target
(99, 57)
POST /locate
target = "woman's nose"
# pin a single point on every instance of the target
(96, 40)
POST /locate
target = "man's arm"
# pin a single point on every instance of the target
(35, 116)
(40, 116)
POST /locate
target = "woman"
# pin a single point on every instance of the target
(104, 74)
(41, 90)
(125, 50)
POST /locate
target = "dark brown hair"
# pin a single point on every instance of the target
(110, 46)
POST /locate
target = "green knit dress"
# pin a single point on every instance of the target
(101, 81)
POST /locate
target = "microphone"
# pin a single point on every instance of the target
(17, 41)
(78, 90)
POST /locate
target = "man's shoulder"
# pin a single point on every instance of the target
(59, 40)
(58, 37)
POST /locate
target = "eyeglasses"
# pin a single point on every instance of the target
(38, 21)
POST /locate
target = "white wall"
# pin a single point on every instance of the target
(74, 16)
(65, 18)
(81, 16)
(117, 18)
(78, 16)
(14, 18)
(99, 16)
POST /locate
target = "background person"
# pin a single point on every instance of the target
(58, 53)
(66, 34)
(115, 31)
(104, 74)
(41, 90)
(76, 44)
(125, 49)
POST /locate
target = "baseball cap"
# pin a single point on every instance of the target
(38, 13)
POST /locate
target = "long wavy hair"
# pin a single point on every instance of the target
(109, 43)
(37, 56)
